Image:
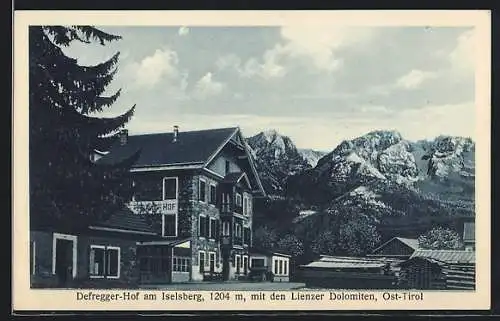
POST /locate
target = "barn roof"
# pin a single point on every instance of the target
(446, 256)
(412, 243)
(125, 220)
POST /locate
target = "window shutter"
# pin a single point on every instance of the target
(207, 221)
(91, 262)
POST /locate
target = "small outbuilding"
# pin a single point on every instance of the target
(439, 270)
(269, 266)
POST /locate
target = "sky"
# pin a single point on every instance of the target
(316, 84)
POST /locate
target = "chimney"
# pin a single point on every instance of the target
(176, 133)
(123, 136)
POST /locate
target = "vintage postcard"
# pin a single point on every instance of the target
(185, 161)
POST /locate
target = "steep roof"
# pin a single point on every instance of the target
(126, 220)
(446, 256)
(191, 147)
(412, 243)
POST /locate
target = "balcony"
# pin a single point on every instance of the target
(229, 242)
(226, 208)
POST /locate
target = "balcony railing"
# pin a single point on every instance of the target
(225, 207)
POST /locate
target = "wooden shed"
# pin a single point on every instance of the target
(439, 270)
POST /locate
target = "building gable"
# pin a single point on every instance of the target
(396, 246)
(243, 160)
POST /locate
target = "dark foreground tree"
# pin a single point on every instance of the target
(67, 189)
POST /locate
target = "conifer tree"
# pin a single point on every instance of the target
(67, 189)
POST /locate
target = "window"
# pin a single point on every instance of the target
(213, 194)
(226, 202)
(237, 230)
(113, 262)
(238, 199)
(181, 264)
(170, 188)
(212, 261)
(280, 262)
(247, 208)
(238, 263)
(285, 267)
(169, 224)
(246, 235)
(202, 261)
(225, 228)
(228, 167)
(245, 203)
(202, 191)
(245, 264)
(275, 266)
(213, 228)
(203, 226)
(104, 261)
(257, 262)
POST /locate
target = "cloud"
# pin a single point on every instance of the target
(414, 78)
(267, 69)
(183, 31)
(206, 86)
(314, 44)
(151, 70)
(462, 57)
(320, 43)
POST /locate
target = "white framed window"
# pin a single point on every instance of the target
(245, 205)
(275, 267)
(181, 264)
(226, 228)
(170, 188)
(285, 267)
(202, 261)
(169, 225)
(238, 199)
(113, 262)
(202, 190)
(203, 226)
(237, 262)
(104, 262)
(257, 262)
(212, 228)
(245, 264)
(280, 270)
(211, 261)
(212, 196)
(238, 232)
